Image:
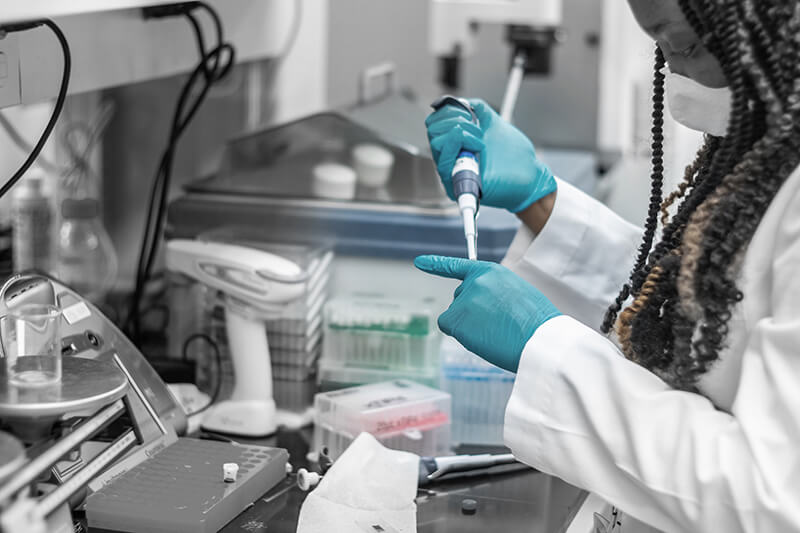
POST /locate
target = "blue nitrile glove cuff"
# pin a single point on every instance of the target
(543, 185)
(494, 312)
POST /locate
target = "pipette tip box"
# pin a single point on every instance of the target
(183, 488)
(370, 338)
(480, 392)
(401, 414)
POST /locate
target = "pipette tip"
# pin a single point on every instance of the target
(472, 248)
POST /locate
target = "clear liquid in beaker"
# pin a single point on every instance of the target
(34, 370)
(32, 345)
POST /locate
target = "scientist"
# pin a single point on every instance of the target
(690, 419)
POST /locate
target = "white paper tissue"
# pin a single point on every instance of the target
(369, 488)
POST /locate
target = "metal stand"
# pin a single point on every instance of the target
(533, 48)
(86, 386)
(512, 87)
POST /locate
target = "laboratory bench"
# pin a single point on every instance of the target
(524, 501)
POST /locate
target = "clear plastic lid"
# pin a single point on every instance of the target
(383, 409)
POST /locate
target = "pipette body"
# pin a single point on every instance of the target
(466, 178)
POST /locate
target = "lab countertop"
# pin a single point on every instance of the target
(524, 501)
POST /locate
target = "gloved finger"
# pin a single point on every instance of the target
(465, 285)
(447, 147)
(448, 111)
(449, 320)
(446, 150)
(457, 138)
(448, 267)
(444, 127)
(483, 111)
(458, 290)
(437, 134)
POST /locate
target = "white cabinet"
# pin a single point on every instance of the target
(18, 10)
(113, 45)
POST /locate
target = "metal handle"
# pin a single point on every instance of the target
(385, 71)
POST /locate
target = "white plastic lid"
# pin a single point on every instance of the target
(332, 180)
(229, 472)
(30, 186)
(373, 155)
(334, 174)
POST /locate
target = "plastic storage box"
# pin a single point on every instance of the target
(374, 338)
(480, 393)
(402, 414)
(336, 377)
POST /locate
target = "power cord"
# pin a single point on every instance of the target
(62, 94)
(218, 357)
(213, 66)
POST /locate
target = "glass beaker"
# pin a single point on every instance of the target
(31, 343)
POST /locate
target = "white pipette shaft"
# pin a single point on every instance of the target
(468, 205)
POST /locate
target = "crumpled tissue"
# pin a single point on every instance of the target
(369, 488)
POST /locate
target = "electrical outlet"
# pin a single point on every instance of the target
(10, 89)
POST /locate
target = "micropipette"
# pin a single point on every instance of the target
(432, 469)
(466, 178)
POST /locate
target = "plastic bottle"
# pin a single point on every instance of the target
(87, 261)
(32, 226)
(6, 238)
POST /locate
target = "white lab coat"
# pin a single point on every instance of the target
(728, 461)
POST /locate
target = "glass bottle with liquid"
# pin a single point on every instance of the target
(32, 226)
(87, 260)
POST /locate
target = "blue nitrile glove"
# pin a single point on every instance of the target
(513, 178)
(494, 312)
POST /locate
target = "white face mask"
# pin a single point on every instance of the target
(698, 107)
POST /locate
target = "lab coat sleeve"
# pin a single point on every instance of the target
(582, 412)
(581, 258)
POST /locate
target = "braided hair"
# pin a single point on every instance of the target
(684, 289)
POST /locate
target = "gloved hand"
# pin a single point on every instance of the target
(494, 312)
(513, 178)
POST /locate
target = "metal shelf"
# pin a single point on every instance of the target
(37, 9)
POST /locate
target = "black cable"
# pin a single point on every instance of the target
(218, 357)
(62, 95)
(180, 122)
(160, 190)
(213, 66)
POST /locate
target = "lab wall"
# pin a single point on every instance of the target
(364, 33)
(559, 110)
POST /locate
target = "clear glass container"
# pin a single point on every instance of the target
(32, 344)
(87, 261)
(32, 223)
